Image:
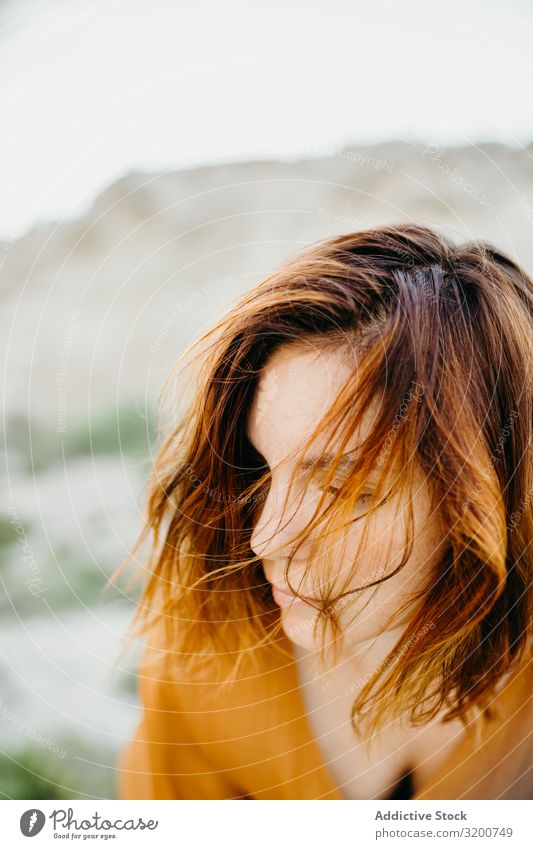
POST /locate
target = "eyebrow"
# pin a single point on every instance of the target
(325, 461)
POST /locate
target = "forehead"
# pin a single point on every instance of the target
(295, 389)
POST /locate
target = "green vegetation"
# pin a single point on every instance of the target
(8, 534)
(72, 770)
(124, 430)
(65, 575)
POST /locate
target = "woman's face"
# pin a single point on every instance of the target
(297, 386)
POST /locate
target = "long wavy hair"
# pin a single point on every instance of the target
(440, 339)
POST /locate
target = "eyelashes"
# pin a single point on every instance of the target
(364, 498)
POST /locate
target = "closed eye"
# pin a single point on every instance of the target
(363, 498)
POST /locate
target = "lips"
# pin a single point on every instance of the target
(285, 597)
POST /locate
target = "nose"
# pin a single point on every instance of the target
(276, 528)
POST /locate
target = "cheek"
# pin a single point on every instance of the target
(378, 548)
(383, 550)
(354, 566)
(372, 548)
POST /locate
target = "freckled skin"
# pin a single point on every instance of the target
(297, 386)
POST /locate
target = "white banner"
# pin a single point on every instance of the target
(279, 824)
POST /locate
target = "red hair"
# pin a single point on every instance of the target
(443, 337)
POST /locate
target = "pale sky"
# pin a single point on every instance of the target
(91, 89)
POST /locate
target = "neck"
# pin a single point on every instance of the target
(357, 661)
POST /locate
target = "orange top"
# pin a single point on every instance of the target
(251, 739)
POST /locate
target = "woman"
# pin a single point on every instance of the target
(338, 601)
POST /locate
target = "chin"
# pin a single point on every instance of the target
(298, 626)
